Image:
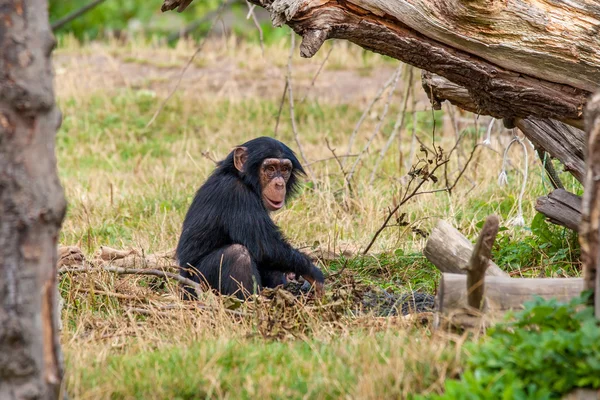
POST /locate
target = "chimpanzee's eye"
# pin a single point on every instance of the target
(271, 169)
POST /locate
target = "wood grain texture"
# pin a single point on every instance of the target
(561, 208)
(557, 41)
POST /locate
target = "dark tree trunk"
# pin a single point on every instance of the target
(32, 205)
(589, 229)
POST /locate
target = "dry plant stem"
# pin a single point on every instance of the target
(187, 65)
(589, 229)
(348, 182)
(285, 90)
(75, 14)
(406, 198)
(413, 141)
(397, 126)
(479, 262)
(368, 110)
(292, 114)
(386, 107)
(252, 15)
(191, 27)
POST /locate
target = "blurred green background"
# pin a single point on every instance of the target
(125, 18)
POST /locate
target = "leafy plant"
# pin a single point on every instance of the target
(547, 247)
(548, 350)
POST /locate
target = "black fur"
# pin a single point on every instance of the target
(228, 237)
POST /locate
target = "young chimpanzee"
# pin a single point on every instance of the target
(228, 239)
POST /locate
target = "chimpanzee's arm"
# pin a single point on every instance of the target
(259, 234)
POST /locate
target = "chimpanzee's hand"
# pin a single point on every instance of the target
(316, 279)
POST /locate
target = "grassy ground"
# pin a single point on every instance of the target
(129, 186)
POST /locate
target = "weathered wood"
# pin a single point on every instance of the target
(480, 260)
(561, 208)
(589, 230)
(518, 85)
(503, 294)
(450, 251)
(559, 139)
(32, 205)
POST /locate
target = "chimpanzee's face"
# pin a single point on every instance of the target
(274, 175)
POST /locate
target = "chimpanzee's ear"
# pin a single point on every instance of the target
(240, 155)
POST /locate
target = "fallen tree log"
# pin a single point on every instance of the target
(561, 208)
(450, 251)
(489, 50)
(503, 294)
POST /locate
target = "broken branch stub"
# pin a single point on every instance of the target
(480, 260)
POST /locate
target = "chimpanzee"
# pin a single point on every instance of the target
(228, 239)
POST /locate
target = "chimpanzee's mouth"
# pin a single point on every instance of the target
(274, 205)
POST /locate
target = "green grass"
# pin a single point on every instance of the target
(129, 185)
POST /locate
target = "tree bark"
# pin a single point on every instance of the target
(589, 230)
(480, 260)
(32, 205)
(562, 141)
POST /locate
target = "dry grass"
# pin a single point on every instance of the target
(129, 185)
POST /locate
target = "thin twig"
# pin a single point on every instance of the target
(191, 27)
(292, 114)
(413, 140)
(379, 123)
(397, 126)
(75, 14)
(406, 198)
(340, 165)
(285, 90)
(314, 79)
(252, 15)
(332, 158)
(198, 50)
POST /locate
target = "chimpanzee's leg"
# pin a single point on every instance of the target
(230, 269)
(272, 278)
